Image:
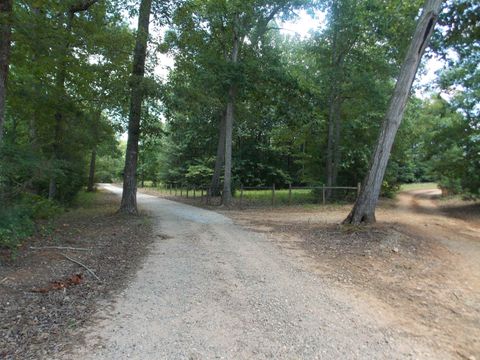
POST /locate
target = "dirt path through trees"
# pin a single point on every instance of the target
(212, 289)
(423, 215)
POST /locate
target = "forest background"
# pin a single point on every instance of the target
(307, 109)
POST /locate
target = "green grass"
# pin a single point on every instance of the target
(84, 199)
(281, 196)
(418, 186)
(264, 196)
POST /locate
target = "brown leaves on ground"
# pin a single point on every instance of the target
(61, 284)
(38, 316)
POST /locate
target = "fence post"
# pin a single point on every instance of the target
(289, 193)
(187, 191)
(170, 189)
(201, 194)
(175, 189)
(359, 187)
(323, 194)
(194, 193)
(273, 194)
(241, 194)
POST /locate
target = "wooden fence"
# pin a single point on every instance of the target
(203, 194)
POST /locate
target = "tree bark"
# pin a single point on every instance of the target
(229, 119)
(91, 173)
(333, 146)
(129, 196)
(333, 156)
(220, 158)
(5, 45)
(32, 129)
(364, 208)
(81, 5)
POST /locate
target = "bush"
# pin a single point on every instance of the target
(17, 222)
(450, 185)
(389, 189)
(15, 225)
(39, 207)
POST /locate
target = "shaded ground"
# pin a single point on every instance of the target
(212, 289)
(298, 286)
(35, 325)
(418, 267)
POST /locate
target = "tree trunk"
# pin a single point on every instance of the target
(333, 146)
(335, 102)
(215, 184)
(229, 119)
(364, 208)
(91, 173)
(129, 196)
(5, 44)
(79, 6)
(32, 128)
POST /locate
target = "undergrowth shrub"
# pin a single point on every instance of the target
(17, 221)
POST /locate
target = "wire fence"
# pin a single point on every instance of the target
(248, 196)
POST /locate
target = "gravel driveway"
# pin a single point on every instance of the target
(210, 289)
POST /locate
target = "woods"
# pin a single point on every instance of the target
(222, 94)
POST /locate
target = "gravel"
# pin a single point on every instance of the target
(210, 289)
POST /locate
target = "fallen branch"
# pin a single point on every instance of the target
(58, 248)
(82, 265)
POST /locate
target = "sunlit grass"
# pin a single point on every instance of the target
(84, 199)
(281, 196)
(418, 186)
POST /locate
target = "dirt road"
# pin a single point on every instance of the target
(211, 289)
(417, 267)
(421, 213)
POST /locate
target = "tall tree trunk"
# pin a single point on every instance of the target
(32, 127)
(337, 153)
(219, 160)
(79, 6)
(364, 208)
(129, 196)
(91, 173)
(333, 154)
(229, 119)
(333, 141)
(5, 44)
(59, 117)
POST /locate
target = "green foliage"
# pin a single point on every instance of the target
(284, 86)
(40, 208)
(17, 221)
(449, 147)
(199, 174)
(15, 225)
(69, 87)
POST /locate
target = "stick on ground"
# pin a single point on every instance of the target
(82, 265)
(58, 248)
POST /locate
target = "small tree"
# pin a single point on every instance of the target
(129, 197)
(364, 208)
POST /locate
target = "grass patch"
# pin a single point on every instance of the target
(84, 199)
(418, 186)
(298, 196)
